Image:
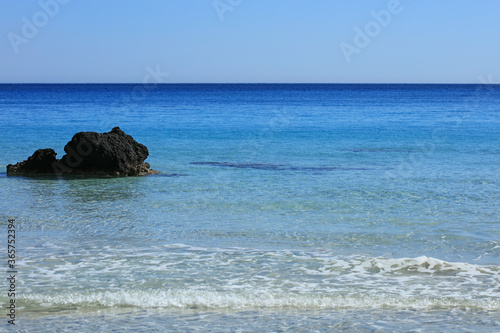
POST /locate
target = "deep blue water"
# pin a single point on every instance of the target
(291, 207)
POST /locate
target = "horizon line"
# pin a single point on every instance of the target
(255, 83)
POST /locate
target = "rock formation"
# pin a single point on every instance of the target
(89, 154)
(38, 163)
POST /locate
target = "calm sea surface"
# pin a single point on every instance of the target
(291, 208)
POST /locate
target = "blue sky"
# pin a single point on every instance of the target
(325, 41)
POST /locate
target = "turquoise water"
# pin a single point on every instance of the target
(279, 208)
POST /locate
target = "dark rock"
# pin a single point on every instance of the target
(90, 154)
(114, 153)
(38, 163)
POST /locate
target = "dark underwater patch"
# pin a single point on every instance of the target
(276, 167)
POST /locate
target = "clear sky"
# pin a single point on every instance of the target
(324, 41)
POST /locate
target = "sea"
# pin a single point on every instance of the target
(278, 208)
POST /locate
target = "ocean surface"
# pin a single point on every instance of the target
(279, 208)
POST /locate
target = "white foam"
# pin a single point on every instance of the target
(245, 278)
(429, 265)
(203, 299)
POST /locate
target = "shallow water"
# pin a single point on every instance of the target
(280, 208)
